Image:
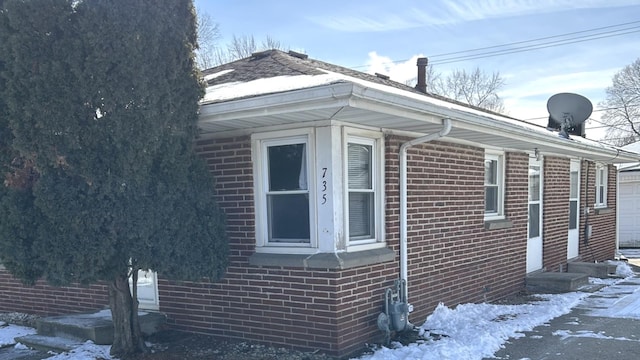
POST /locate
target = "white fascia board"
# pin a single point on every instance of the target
(314, 98)
(395, 102)
(464, 118)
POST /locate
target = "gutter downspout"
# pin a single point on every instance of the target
(446, 128)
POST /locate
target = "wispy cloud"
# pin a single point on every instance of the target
(441, 12)
(398, 71)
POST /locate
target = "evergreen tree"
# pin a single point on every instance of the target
(98, 119)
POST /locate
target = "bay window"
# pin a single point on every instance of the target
(318, 190)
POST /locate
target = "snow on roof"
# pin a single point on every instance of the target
(216, 74)
(276, 84)
(633, 147)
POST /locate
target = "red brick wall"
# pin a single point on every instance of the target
(331, 310)
(555, 205)
(42, 299)
(452, 258)
(602, 244)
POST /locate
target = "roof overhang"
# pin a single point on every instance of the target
(392, 110)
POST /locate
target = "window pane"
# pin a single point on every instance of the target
(573, 212)
(534, 183)
(490, 172)
(601, 194)
(491, 199)
(359, 165)
(287, 167)
(534, 220)
(361, 215)
(573, 189)
(288, 217)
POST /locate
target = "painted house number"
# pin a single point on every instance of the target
(324, 186)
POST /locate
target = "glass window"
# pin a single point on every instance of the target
(574, 197)
(361, 189)
(601, 185)
(573, 214)
(493, 185)
(534, 183)
(534, 220)
(535, 187)
(287, 195)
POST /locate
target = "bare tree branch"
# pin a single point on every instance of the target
(208, 36)
(475, 88)
(622, 104)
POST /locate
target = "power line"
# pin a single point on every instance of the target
(536, 47)
(571, 40)
(534, 40)
(595, 110)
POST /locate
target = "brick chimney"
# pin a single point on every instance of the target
(422, 75)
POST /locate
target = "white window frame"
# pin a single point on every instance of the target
(376, 141)
(602, 175)
(260, 143)
(497, 156)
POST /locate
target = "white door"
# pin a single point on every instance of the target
(573, 242)
(147, 290)
(534, 241)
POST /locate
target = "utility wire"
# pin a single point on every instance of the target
(534, 40)
(595, 110)
(535, 46)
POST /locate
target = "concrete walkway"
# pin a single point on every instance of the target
(606, 325)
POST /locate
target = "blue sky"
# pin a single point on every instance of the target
(387, 36)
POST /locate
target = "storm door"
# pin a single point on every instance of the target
(574, 210)
(534, 241)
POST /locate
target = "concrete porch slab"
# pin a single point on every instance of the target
(96, 327)
(49, 343)
(555, 282)
(599, 270)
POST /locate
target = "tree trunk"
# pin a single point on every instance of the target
(127, 336)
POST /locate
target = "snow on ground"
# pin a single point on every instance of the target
(468, 331)
(8, 332)
(88, 351)
(476, 331)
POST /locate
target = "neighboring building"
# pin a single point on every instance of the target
(629, 201)
(324, 211)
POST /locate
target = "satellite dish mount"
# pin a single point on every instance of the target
(567, 113)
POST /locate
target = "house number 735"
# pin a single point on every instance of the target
(323, 189)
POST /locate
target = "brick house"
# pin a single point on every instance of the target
(336, 183)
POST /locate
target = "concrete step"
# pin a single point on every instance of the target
(556, 282)
(97, 327)
(599, 270)
(49, 343)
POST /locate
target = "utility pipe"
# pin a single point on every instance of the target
(446, 127)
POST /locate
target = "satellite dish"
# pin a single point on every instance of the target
(567, 112)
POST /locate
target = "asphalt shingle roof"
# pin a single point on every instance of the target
(272, 63)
